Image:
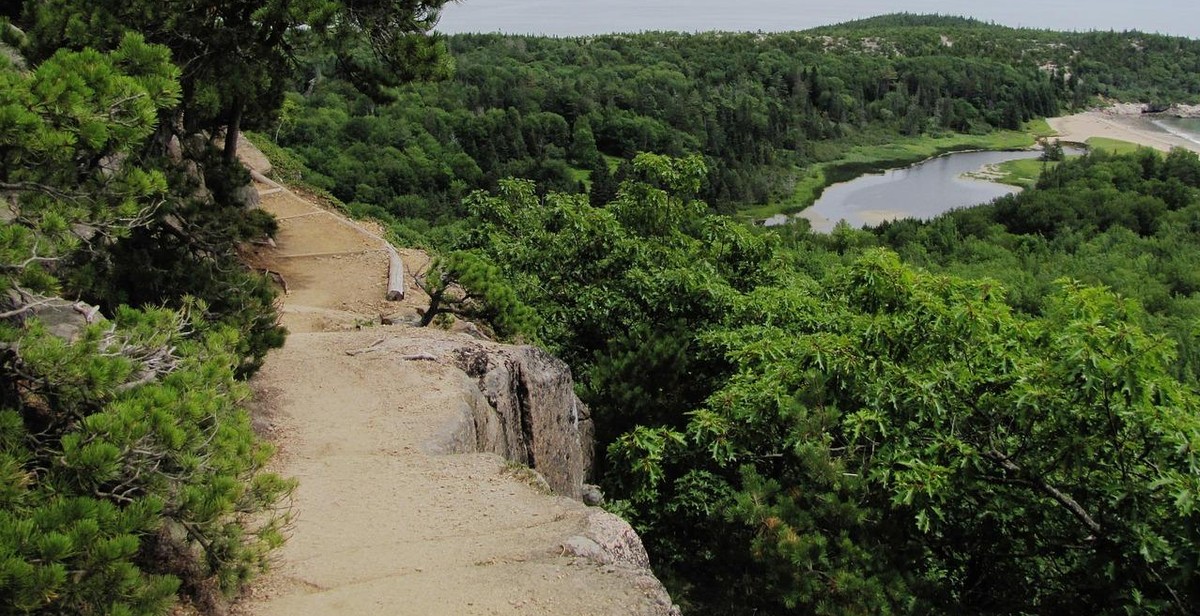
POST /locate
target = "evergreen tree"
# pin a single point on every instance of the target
(239, 53)
(604, 185)
(463, 285)
(583, 151)
(127, 470)
(1052, 151)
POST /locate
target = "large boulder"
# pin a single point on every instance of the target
(246, 196)
(518, 402)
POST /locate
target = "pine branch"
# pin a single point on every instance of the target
(31, 302)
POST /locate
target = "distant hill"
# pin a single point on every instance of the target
(903, 20)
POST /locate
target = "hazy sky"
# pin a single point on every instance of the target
(577, 17)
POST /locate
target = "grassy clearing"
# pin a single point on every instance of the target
(925, 146)
(856, 160)
(808, 188)
(1040, 128)
(1023, 173)
(581, 175)
(1113, 146)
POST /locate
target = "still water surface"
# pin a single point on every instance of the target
(923, 190)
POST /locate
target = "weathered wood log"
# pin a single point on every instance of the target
(396, 289)
(374, 346)
(89, 312)
(259, 177)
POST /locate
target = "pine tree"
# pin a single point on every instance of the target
(239, 53)
(604, 185)
(125, 440)
(583, 151)
(464, 285)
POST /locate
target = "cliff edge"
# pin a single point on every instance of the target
(411, 446)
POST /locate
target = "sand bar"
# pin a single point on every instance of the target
(1135, 128)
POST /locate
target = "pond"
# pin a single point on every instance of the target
(923, 190)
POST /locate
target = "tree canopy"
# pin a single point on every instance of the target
(993, 411)
(926, 417)
(766, 111)
(809, 425)
(237, 57)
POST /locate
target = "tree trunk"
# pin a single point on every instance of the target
(435, 308)
(233, 130)
(312, 83)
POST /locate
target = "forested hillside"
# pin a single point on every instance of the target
(764, 110)
(1126, 222)
(937, 417)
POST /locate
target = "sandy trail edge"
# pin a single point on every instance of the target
(1132, 128)
(385, 526)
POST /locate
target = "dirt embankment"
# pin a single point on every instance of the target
(385, 524)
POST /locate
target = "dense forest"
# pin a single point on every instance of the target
(990, 412)
(810, 424)
(761, 109)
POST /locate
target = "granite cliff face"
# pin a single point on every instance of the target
(519, 402)
(527, 412)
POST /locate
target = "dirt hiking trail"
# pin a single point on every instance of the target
(384, 524)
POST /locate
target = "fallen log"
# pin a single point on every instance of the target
(259, 177)
(89, 312)
(395, 289)
(374, 346)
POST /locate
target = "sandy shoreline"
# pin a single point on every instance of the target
(1126, 127)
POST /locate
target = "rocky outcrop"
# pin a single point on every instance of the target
(247, 197)
(519, 402)
(522, 406)
(1178, 110)
(608, 540)
(62, 318)
(363, 413)
(1181, 110)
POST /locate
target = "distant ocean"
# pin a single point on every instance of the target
(579, 17)
(1185, 128)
